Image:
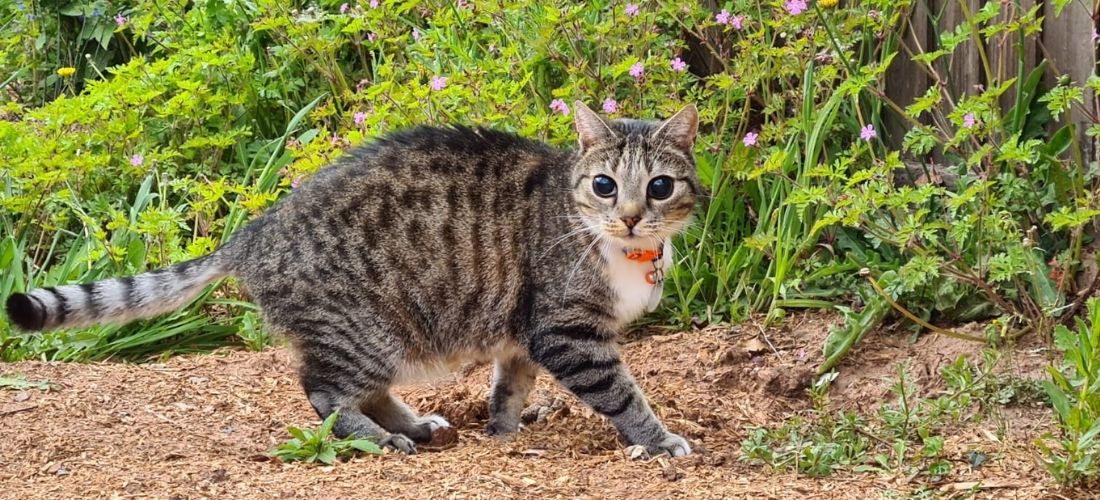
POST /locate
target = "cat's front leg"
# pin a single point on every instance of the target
(584, 359)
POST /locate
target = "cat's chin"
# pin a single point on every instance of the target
(633, 241)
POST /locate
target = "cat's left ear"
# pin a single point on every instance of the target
(680, 130)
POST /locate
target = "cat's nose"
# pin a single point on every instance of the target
(630, 221)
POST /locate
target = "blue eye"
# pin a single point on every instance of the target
(604, 186)
(660, 187)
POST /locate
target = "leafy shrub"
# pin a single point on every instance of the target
(998, 226)
(212, 114)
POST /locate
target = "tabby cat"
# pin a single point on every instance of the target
(433, 247)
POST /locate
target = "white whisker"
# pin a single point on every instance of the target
(562, 239)
(584, 254)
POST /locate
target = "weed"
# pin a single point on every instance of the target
(312, 446)
(903, 437)
(1074, 391)
(19, 383)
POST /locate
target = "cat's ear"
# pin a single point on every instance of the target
(591, 129)
(680, 130)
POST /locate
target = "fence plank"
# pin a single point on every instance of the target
(963, 71)
(1069, 48)
(905, 80)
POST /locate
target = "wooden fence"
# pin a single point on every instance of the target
(1067, 43)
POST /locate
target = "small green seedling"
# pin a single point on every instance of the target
(18, 383)
(311, 446)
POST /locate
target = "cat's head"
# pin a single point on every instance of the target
(635, 182)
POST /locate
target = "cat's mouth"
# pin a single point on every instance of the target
(634, 240)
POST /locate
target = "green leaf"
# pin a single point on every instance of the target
(364, 445)
(326, 426)
(1024, 95)
(1043, 289)
(20, 384)
(327, 455)
(1058, 399)
(1059, 5)
(841, 339)
(298, 433)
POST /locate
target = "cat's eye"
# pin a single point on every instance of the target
(660, 187)
(604, 186)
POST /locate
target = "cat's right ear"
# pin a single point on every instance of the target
(591, 129)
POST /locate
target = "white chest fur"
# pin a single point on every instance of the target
(627, 278)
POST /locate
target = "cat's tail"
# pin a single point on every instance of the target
(115, 300)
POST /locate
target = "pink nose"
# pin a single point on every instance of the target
(630, 221)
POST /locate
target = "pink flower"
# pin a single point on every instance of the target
(637, 71)
(868, 132)
(120, 19)
(374, 4)
(360, 117)
(724, 17)
(416, 35)
(631, 9)
(1095, 36)
(296, 182)
(610, 106)
(462, 4)
(372, 36)
(344, 8)
(137, 160)
(678, 64)
(750, 139)
(559, 106)
(969, 120)
(795, 7)
(438, 82)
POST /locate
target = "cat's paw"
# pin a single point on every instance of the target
(672, 444)
(435, 422)
(400, 443)
(501, 428)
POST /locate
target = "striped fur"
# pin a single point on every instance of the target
(433, 247)
(118, 300)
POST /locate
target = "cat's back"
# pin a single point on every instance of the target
(429, 225)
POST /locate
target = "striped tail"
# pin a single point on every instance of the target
(116, 300)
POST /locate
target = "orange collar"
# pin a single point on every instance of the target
(651, 255)
(644, 255)
(654, 256)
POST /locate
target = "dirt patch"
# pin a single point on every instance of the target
(200, 426)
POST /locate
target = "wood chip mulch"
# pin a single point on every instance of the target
(201, 427)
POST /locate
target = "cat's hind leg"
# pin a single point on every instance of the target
(335, 383)
(396, 417)
(513, 379)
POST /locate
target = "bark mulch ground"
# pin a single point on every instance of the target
(201, 426)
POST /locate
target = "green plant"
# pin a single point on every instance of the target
(904, 436)
(311, 446)
(18, 383)
(997, 224)
(1074, 391)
